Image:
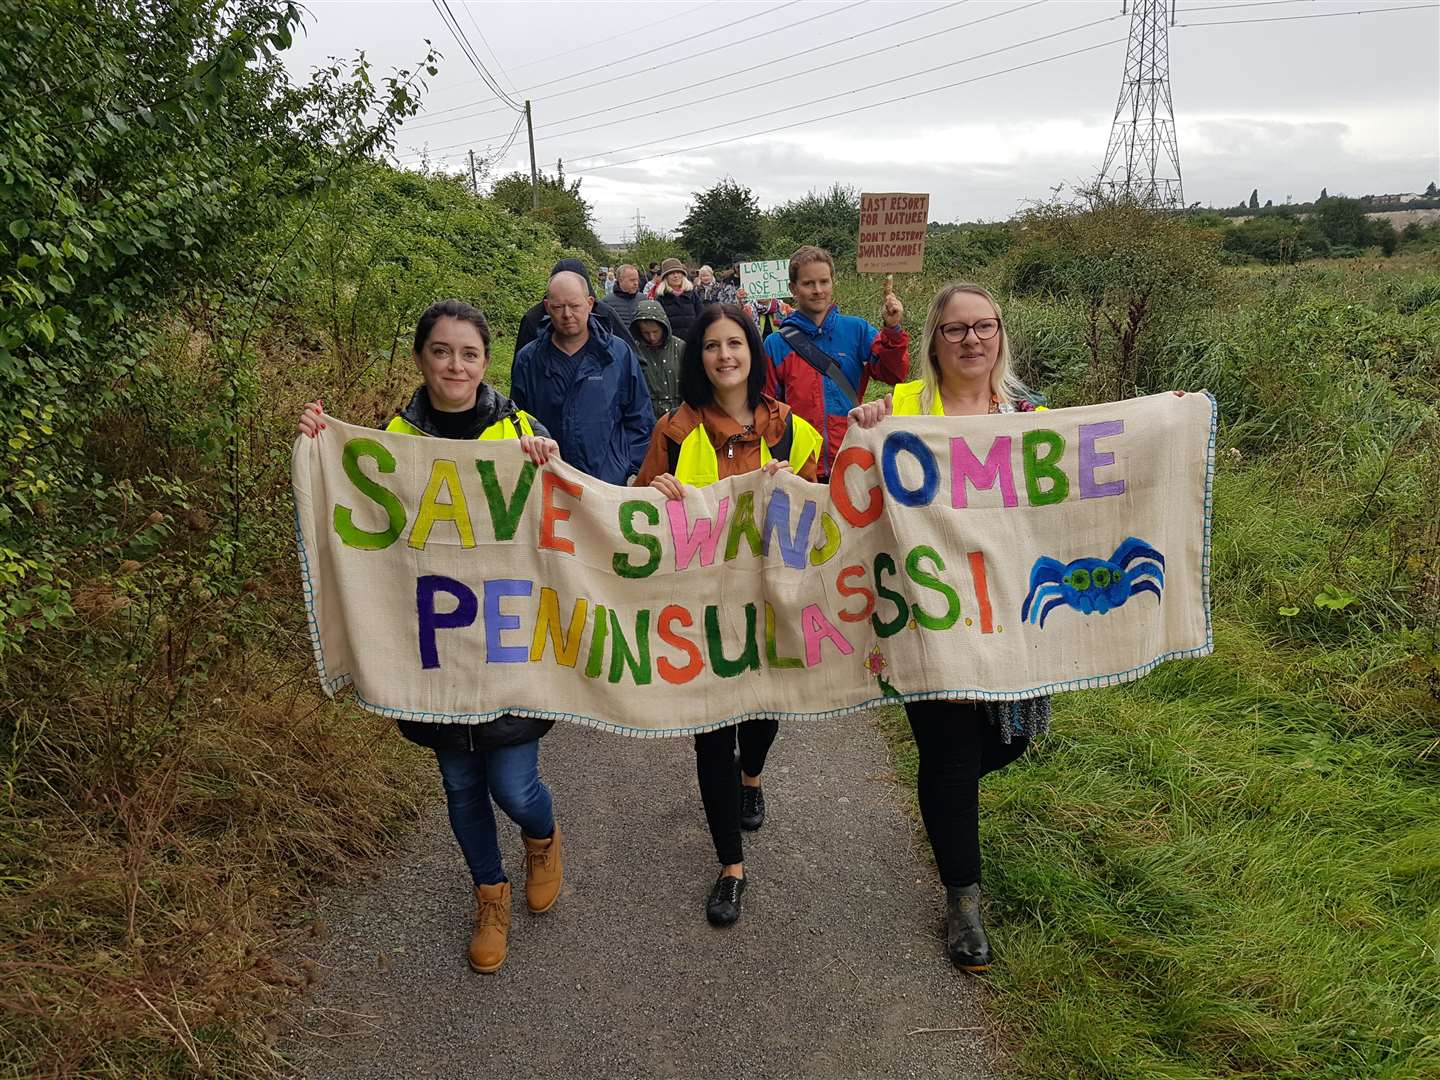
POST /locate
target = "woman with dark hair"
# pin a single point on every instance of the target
(500, 759)
(727, 425)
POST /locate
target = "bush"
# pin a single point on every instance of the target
(1128, 268)
(164, 164)
(831, 221)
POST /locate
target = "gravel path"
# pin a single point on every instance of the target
(831, 971)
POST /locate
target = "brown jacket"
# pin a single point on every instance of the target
(724, 434)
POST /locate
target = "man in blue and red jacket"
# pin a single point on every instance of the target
(858, 350)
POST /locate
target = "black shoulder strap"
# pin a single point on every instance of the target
(672, 448)
(817, 358)
(514, 418)
(781, 450)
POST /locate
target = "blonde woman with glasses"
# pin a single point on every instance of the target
(965, 371)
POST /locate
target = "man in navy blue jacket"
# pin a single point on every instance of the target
(585, 385)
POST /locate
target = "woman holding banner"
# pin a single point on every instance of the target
(965, 371)
(500, 759)
(726, 426)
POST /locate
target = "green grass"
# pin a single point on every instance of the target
(1230, 868)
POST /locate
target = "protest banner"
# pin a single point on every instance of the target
(768, 279)
(990, 557)
(892, 233)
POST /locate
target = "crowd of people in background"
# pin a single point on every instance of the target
(673, 381)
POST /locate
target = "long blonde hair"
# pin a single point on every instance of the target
(1003, 384)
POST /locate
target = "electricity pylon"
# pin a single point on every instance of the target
(1144, 125)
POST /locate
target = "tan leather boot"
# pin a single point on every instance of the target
(492, 927)
(544, 873)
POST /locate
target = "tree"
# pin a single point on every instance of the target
(1269, 203)
(1430, 192)
(1254, 198)
(1323, 195)
(831, 220)
(166, 164)
(561, 207)
(1342, 221)
(1128, 266)
(723, 225)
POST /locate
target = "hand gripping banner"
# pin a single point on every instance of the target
(989, 557)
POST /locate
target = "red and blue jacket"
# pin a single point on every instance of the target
(862, 352)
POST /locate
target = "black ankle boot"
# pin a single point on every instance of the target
(965, 938)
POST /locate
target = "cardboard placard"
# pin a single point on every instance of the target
(768, 279)
(892, 233)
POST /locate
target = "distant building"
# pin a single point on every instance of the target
(1396, 200)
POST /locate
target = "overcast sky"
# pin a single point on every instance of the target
(1351, 102)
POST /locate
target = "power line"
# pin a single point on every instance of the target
(788, 75)
(447, 16)
(1320, 15)
(1252, 3)
(850, 112)
(627, 59)
(858, 89)
(484, 41)
(830, 97)
(591, 46)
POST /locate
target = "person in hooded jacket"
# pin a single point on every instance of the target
(726, 426)
(530, 322)
(500, 759)
(676, 293)
(586, 385)
(660, 352)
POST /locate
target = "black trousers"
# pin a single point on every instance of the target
(719, 777)
(958, 745)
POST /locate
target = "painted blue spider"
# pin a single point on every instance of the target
(1093, 585)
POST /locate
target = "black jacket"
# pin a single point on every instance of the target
(682, 309)
(507, 730)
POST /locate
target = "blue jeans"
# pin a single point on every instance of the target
(510, 775)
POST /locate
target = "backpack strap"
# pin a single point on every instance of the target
(786, 442)
(672, 448)
(820, 360)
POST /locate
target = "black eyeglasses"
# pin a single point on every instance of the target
(956, 332)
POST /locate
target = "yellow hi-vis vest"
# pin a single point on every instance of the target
(697, 463)
(501, 429)
(906, 401)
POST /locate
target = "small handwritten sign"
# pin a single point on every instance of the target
(892, 233)
(768, 279)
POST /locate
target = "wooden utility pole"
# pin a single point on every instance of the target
(534, 175)
(474, 183)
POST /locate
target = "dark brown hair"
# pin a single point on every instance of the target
(695, 386)
(455, 309)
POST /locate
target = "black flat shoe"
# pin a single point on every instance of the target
(752, 808)
(723, 906)
(965, 938)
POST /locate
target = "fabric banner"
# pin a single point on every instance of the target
(989, 557)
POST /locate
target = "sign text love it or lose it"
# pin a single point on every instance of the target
(989, 557)
(768, 279)
(892, 233)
